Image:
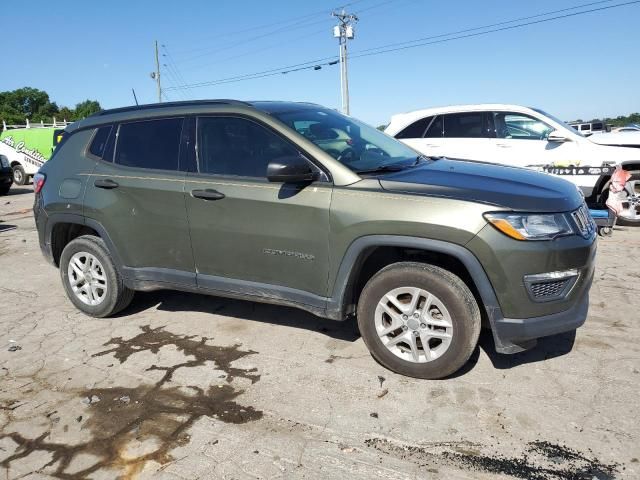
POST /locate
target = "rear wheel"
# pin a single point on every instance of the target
(419, 320)
(90, 278)
(19, 175)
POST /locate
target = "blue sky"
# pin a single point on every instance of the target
(581, 67)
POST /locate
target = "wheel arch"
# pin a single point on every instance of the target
(368, 254)
(63, 228)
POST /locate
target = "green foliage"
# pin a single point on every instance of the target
(381, 127)
(622, 121)
(18, 105)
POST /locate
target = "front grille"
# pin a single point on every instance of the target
(544, 290)
(584, 221)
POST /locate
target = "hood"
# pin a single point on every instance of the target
(506, 187)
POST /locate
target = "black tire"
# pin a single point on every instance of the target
(118, 296)
(454, 294)
(4, 189)
(19, 175)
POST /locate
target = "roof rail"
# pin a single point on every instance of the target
(151, 106)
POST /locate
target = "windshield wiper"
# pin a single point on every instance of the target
(385, 168)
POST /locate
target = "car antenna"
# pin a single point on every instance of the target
(134, 96)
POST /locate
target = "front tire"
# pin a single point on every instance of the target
(19, 175)
(419, 320)
(630, 214)
(91, 279)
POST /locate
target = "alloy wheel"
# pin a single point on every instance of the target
(413, 324)
(87, 278)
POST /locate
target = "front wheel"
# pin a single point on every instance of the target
(419, 320)
(19, 175)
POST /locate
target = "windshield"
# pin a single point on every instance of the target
(357, 145)
(564, 125)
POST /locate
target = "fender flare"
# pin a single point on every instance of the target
(54, 219)
(354, 254)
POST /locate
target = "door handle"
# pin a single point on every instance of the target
(106, 183)
(208, 194)
(504, 145)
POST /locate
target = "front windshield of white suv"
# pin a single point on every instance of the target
(559, 122)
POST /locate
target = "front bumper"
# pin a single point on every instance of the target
(513, 335)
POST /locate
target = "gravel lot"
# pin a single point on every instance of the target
(189, 386)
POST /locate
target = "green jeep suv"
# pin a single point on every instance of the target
(229, 198)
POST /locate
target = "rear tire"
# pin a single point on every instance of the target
(19, 175)
(446, 318)
(97, 289)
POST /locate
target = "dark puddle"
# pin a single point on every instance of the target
(540, 461)
(131, 426)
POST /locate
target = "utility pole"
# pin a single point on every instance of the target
(156, 75)
(344, 32)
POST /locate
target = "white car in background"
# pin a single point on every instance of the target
(522, 137)
(618, 138)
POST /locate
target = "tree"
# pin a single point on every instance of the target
(27, 102)
(86, 108)
(30, 103)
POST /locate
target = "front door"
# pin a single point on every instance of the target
(521, 141)
(137, 194)
(248, 233)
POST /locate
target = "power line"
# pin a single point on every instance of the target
(313, 64)
(267, 25)
(490, 25)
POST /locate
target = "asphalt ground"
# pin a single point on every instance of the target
(190, 386)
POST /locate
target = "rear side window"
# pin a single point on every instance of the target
(416, 129)
(150, 144)
(99, 141)
(435, 129)
(463, 125)
(235, 146)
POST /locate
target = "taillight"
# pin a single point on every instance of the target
(38, 181)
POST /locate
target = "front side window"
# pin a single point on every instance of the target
(520, 126)
(239, 147)
(153, 144)
(416, 129)
(463, 125)
(358, 146)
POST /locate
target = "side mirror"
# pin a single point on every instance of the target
(557, 137)
(293, 169)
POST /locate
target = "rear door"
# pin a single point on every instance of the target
(246, 231)
(136, 193)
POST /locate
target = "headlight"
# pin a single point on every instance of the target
(5, 161)
(531, 226)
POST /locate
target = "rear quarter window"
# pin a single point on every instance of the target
(99, 141)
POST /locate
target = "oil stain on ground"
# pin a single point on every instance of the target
(540, 461)
(131, 426)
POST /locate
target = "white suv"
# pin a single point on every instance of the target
(522, 137)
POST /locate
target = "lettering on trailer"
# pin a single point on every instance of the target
(32, 156)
